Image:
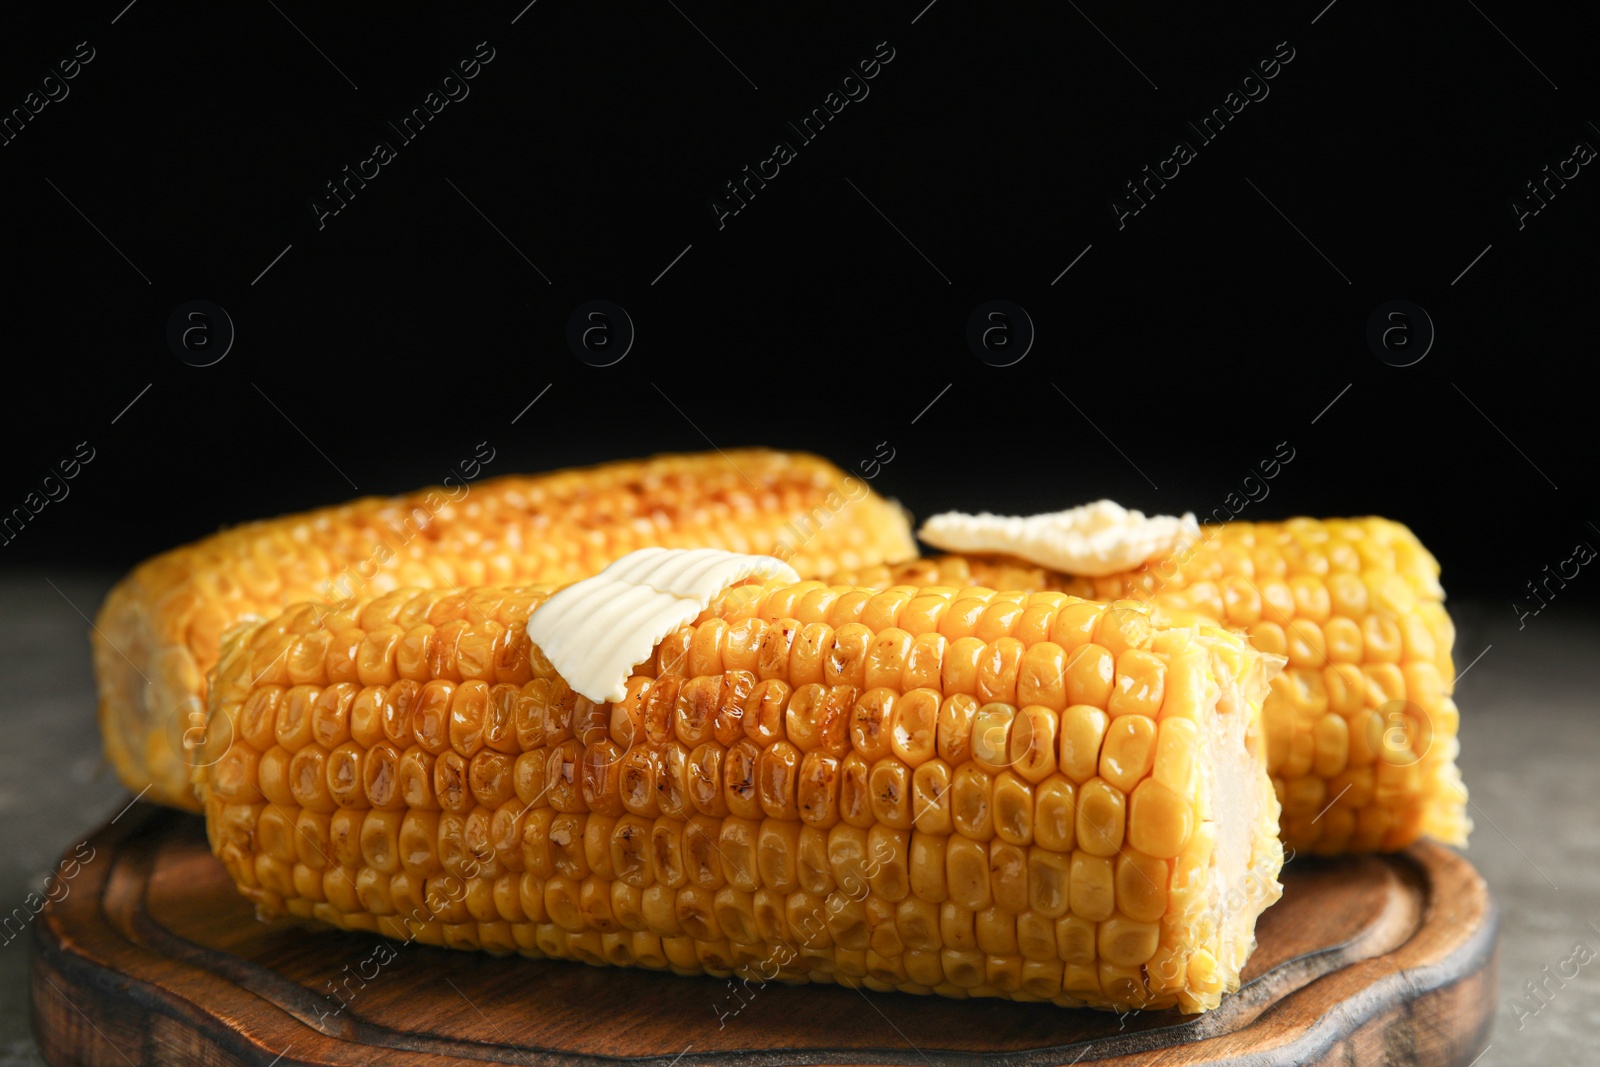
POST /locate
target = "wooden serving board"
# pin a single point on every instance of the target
(153, 958)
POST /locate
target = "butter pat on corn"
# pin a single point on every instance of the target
(594, 632)
(1094, 539)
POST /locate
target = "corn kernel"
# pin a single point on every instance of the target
(1083, 729)
(1102, 815)
(1055, 814)
(1128, 752)
(1091, 670)
(1091, 887)
(1140, 684)
(1159, 820)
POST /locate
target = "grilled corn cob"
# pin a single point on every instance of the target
(1361, 727)
(942, 790)
(158, 632)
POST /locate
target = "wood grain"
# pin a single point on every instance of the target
(153, 958)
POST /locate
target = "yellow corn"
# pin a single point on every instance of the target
(1361, 727)
(158, 632)
(935, 790)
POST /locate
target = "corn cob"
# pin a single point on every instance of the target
(942, 790)
(1361, 727)
(158, 632)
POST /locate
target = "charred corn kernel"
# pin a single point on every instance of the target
(855, 793)
(913, 726)
(923, 662)
(1353, 605)
(872, 719)
(955, 725)
(1033, 743)
(889, 787)
(887, 653)
(972, 802)
(930, 797)
(818, 788)
(751, 791)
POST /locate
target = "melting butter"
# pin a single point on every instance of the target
(1093, 540)
(596, 631)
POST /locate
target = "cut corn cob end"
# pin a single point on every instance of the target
(1361, 728)
(938, 790)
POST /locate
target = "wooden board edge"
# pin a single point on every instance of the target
(162, 1025)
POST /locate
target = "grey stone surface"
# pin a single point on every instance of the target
(1530, 752)
(54, 786)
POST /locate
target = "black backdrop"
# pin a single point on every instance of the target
(1175, 347)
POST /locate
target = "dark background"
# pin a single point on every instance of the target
(1175, 354)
